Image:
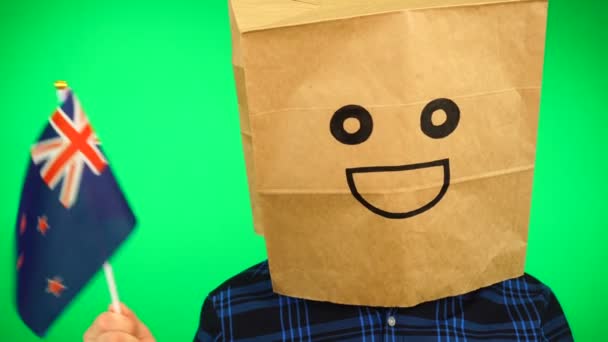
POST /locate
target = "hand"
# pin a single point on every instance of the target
(114, 327)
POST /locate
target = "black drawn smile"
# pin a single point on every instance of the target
(445, 163)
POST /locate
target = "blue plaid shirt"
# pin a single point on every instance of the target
(244, 308)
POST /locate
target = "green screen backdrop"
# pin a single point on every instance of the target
(155, 78)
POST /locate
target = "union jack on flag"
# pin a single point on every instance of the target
(72, 216)
(63, 156)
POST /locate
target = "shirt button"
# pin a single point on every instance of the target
(391, 321)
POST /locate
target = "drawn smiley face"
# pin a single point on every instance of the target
(341, 133)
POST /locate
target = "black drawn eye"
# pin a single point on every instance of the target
(351, 125)
(452, 117)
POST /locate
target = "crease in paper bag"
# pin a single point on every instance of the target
(485, 175)
(286, 13)
(396, 105)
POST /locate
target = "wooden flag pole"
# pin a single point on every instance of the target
(61, 87)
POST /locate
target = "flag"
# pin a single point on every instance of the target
(72, 216)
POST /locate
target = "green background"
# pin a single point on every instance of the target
(156, 80)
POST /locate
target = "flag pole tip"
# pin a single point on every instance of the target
(61, 84)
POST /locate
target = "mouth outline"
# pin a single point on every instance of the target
(408, 167)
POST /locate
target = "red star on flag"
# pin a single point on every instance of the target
(20, 261)
(43, 225)
(55, 286)
(22, 224)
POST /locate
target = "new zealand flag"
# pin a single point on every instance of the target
(71, 218)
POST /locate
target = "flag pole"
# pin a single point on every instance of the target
(62, 88)
(107, 269)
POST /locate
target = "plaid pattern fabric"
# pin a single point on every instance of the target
(244, 308)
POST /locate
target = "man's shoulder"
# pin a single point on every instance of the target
(232, 298)
(255, 279)
(512, 294)
(524, 285)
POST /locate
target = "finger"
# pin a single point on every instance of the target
(113, 336)
(143, 333)
(124, 310)
(111, 322)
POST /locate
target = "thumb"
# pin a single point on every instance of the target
(143, 333)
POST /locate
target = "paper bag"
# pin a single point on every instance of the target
(390, 144)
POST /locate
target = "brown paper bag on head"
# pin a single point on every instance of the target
(390, 143)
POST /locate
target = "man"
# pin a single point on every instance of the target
(390, 151)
